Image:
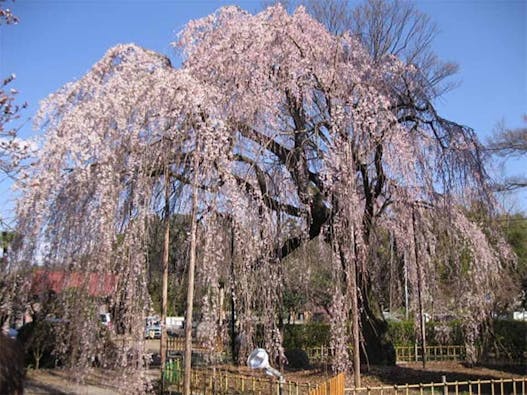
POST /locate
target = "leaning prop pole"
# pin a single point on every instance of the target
(419, 292)
(356, 322)
(164, 302)
(190, 287)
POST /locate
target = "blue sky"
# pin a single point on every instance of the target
(59, 40)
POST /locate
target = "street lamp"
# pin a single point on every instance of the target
(259, 359)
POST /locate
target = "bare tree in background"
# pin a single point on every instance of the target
(509, 144)
(390, 28)
(12, 149)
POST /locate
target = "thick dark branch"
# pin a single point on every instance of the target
(379, 184)
(510, 184)
(270, 202)
(368, 200)
(265, 142)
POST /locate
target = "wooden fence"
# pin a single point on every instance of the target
(178, 344)
(322, 354)
(319, 354)
(433, 353)
(477, 387)
(403, 353)
(221, 382)
(333, 386)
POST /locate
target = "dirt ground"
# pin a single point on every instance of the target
(413, 373)
(57, 381)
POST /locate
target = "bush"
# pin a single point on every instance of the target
(403, 333)
(38, 339)
(444, 333)
(297, 358)
(511, 337)
(12, 370)
(306, 335)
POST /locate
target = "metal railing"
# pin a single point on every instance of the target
(512, 386)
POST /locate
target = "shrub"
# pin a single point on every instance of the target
(306, 335)
(12, 370)
(510, 337)
(402, 333)
(297, 358)
(39, 340)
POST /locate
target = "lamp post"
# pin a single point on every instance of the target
(259, 359)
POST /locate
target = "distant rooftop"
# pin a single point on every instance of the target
(97, 284)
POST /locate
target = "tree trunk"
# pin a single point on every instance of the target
(377, 348)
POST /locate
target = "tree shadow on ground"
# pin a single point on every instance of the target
(31, 386)
(507, 369)
(435, 372)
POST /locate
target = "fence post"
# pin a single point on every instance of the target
(415, 352)
(445, 385)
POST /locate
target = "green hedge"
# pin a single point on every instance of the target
(403, 333)
(306, 335)
(511, 337)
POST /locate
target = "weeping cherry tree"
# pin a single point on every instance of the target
(273, 120)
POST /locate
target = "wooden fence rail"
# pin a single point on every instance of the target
(178, 344)
(433, 353)
(403, 353)
(333, 386)
(221, 382)
(323, 354)
(477, 387)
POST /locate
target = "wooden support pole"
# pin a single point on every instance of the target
(164, 301)
(190, 286)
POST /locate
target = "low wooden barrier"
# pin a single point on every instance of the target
(403, 353)
(220, 382)
(477, 387)
(333, 386)
(178, 344)
(319, 354)
(433, 353)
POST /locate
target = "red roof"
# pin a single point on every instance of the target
(97, 284)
